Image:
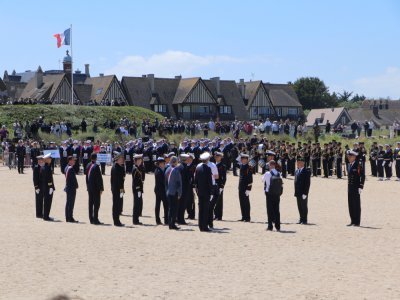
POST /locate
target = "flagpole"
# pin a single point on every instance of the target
(72, 68)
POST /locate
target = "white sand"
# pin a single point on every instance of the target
(243, 261)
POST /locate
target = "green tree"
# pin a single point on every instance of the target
(313, 93)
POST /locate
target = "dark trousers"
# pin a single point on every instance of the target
(204, 203)
(330, 166)
(63, 165)
(116, 207)
(94, 205)
(244, 205)
(273, 213)
(284, 168)
(398, 168)
(388, 170)
(161, 198)
(39, 204)
(235, 167)
(190, 206)
(302, 206)
(182, 203)
(137, 206)
(339, 168)
(211, 207)
(85, 162)
(315, 167)
(374, 169)
(103, 168)
(20, 164)
(354, 202)
(172, 209)
(219, 206)
(380, 168)
(77, 166)
(325, 166)
(48, 199)
(69, 205)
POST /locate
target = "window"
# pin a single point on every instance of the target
(161, 108)
(279, 111)
(225, 109)
(98, 91)
(292, 111)
(343, 120)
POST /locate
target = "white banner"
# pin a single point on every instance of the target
(55, 153)
(104, 158)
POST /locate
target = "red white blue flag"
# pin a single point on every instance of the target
(63, 38)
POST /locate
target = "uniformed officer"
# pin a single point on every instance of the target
(76, 152)
(95, 187)
(380, 162)
(47, 187)
(87, 150)
(203, 184)
(356, 180)
(190, 205)
(37, 183)
(272, 195)
(64, 154)
(159, 191)
(245, 184)
(219, 206)
(396, 156)
(128, 153)
(117, 187)
(186, 188)
(388, 160)
(35, 152)
(71, 185)
(21, 153)
(138, 176)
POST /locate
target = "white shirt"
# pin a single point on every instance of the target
(267, 178)
(214, 171)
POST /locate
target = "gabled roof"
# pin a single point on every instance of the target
(325, 114)
(184, 88)
(100, 86)
(47, 90)
(385, 117)
(230, 95)
(282, 95)
(83, 91)
(251, 90)
(26, 76)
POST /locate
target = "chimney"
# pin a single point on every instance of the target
(39, 78)
(217, 85)
(101, 74)
(151, 79)
(242, 88)
(143, 76)
(87, 73)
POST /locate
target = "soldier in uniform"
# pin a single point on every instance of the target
(245, 184)
(159, 190)
(380, 162)
(76, 152)
(37, 183)
(21, 153)
(128, 154)
(71, 185)
(117, 187)
(302, 183)
(219, 206)
(388, 160)
(86, 152)
(94, 184)
(47, 187)
(64, 153)
(173, 190)
(138, 176)
(339, 160)
(186, 188)
(35, 152)
(373, 155)
(190, 206)
(396, 156)
(356, 180)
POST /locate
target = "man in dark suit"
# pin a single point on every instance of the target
(86, 152)
(173, 190)
(117, 186)
(21, 153)
(219, 206)
(94, 183)
(302, 183)
(186, 188)
(47, 187)
(138, 176)
(71, 185)
(159, 191)
(356, 178)
(204, 188)
(245, 184)
(37, 173)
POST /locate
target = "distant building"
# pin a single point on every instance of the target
(335, 116)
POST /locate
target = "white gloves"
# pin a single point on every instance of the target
(304, 197)
(211, 198)
(121, 195)
(194, 191)
(51, 190)
(37, 191)
(383, 164)
(359, 191)
(139, 194)
(247, 193)
(390, 165)
(221, 190)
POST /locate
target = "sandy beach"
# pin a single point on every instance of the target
(324, 260)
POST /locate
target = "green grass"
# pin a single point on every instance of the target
(73, 113)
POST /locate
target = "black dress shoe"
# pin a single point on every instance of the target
(278, 229)
(304, 222)
(74, 221)
(299, 222)
(97, 222)
(350, 224)
(39, 216)
(119, 225)
(48, 219)
(241, 220)
(182, 223)
(137, 223)
(247, 221)
(174, 227)
(205, 230)
(356, 225)
(269, 229)
(159, 222)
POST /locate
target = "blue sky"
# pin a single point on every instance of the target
(351, 45)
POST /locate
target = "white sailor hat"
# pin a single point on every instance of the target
(243, 155)
(39, 157)
(269, 152)
(138, 156)
(216, 153)
(191, 155)
(184, 156)
(205, 156)
(117, 155)
(351, 152)
(48, 155)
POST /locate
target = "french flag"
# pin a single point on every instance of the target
(63, 38)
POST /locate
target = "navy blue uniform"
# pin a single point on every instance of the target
(204, 187)
(302, 183)
(117, 187)
(94, 184)
(37, 173)
(245, 184)
(356, 180)
(159, 191)
(47, 183)
(71, 185)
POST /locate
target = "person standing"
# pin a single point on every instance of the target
(356, 179)
(47, 187)
(138, 176)
(203, 184)
(245, 184)
(86, 152)
(214, 191)
(71, 185)
(302, 182)
(35, 152)
(159, 191)
(21, 153)
(380, 162)
(388, 160)
(272, 180)
(173, 190)
(186, 188)
(219, 206)
(95, 187)
(64, 154)
(396, 155)
(117, 187)
(37, 183)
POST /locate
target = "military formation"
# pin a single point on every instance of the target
(197, 169)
